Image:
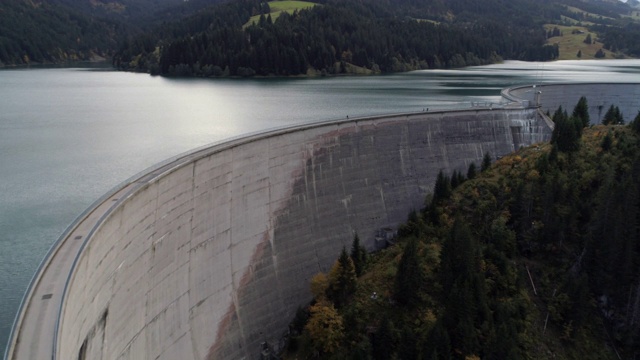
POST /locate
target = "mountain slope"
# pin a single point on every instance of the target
(212, 38)
(46, 32)
(54, 31)
(335, 37)
(534, 257)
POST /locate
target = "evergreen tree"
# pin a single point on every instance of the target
(635, 124)
(607, 141)
(618, 116)
(471, 172)
(566, 132)
(383, 340)
(342, 279)
(409, 277)
(579, 54)
(613, 116)
(438, 344)
(455, 180)
(467, 316)
(442, 188)
(581, 111)
(407, 344)
(458, 255)
(486, 162)
(358, 255)
(588, 40)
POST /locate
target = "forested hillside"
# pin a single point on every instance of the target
(47, 32)
(341, 37)
(57, 31)
(370, 36)
(534, 257)
(216, 38)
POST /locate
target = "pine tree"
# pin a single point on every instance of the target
(342, 280)
(442, 188)
(455, 179)
(358, 255)
(567, 131)
(613, 116)
(438, 344)
(383, 340)
(458, 254)
(635, 124)
(606, 143)
(618, 116)
(410, 276)
(581, 111)
(486, 162)
(471, 172)
(467, 316)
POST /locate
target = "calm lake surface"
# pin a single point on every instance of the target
(67, 136)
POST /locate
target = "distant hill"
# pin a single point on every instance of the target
(219, 37)
(368, 36)
(46, 32)
(118, 8)
(340, 37)
(55, 31)
(138, 13)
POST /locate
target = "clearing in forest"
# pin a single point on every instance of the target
(277, 7)
(572, 41)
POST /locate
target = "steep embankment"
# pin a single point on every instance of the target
(535, 257)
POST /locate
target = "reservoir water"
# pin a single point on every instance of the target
(69, 135)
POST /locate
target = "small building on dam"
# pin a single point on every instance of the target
(208, 255)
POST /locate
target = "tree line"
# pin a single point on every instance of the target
(148, 35)
(330, 38)
(49, 33)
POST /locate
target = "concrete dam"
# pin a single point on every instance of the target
(208, 255)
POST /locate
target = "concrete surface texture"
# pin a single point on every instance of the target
(626, 96)
(209, 255)
(213, 257)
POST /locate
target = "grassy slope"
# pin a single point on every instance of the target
(570, 43)
(277, 7)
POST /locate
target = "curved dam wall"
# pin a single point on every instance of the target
(211, 257)
(626, 96)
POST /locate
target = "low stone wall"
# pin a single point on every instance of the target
(210, 258)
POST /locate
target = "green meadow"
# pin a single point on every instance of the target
(572, 41)
(278, 7)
